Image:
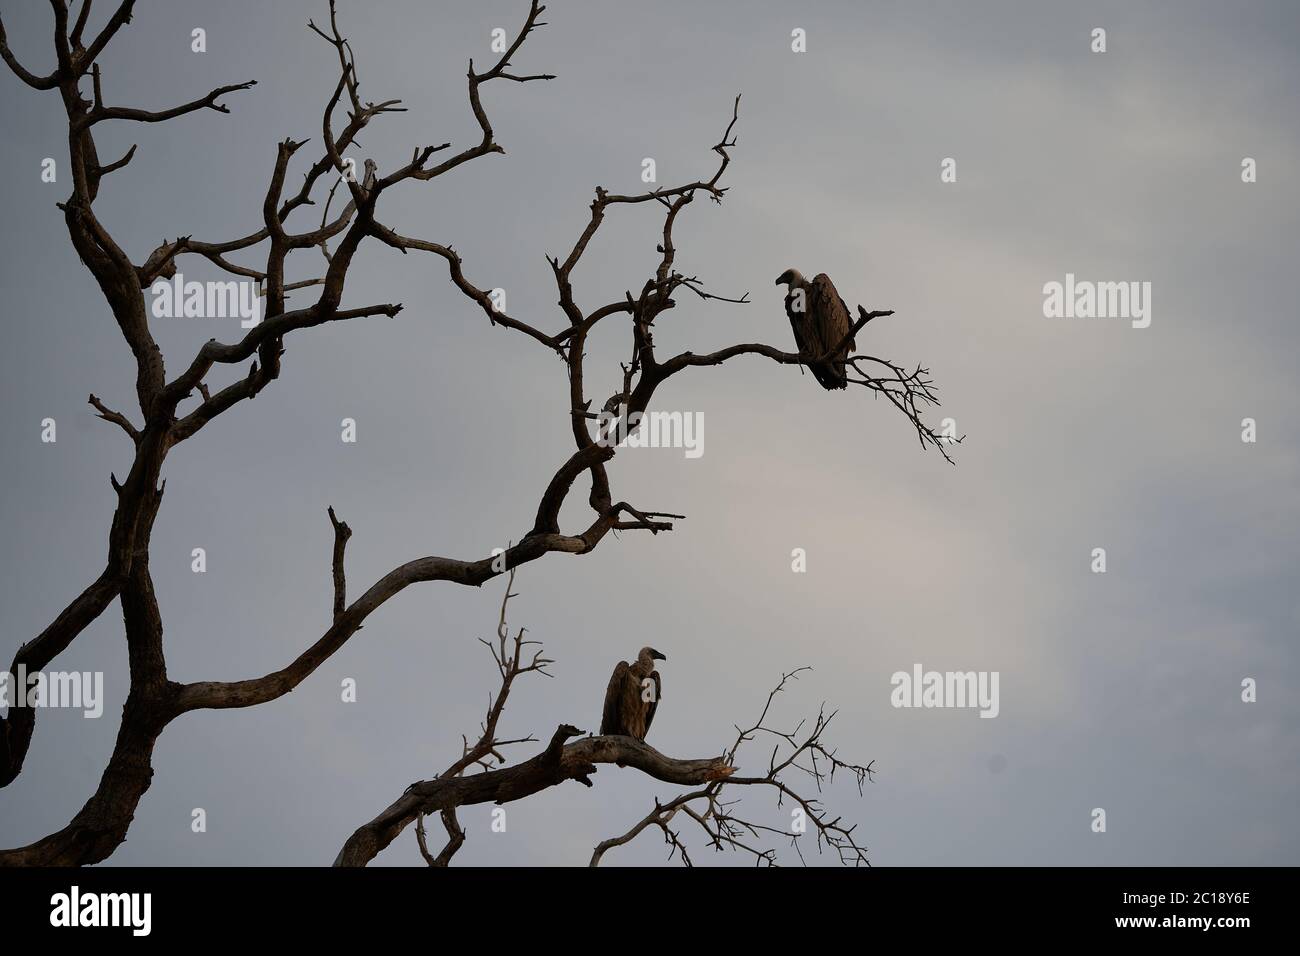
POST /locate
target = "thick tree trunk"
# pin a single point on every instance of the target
(100, 826)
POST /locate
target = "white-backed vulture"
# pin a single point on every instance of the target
(821, 321)
(632, 696)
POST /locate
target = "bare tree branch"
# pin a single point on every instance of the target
(509, 657)
(100, 112)
(117, 418)
(341, 534)
(727, 830)
(558, 763)
(455, 839)
(74, 38)
(47, 82)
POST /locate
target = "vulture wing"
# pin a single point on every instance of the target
(830, 324)
(830, 313)
(654, 704)
(612, 721)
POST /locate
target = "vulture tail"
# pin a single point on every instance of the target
(830, 375)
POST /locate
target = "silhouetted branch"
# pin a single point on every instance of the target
(727, 830)
(341, 535)
(455, 838)
(558, 763)
(117, 418)
(47, 82)
(509, 656)
(99, 113)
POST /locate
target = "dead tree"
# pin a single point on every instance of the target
(174, 408)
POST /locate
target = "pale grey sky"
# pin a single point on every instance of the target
(1119, 690)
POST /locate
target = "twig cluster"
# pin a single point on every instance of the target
(510, 657)
(720, 819)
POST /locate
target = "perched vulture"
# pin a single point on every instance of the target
(820, 320)
(632, 696)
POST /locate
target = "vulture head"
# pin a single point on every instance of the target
(790, 278)
(647, 656)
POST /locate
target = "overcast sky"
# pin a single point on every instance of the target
(1119, 690)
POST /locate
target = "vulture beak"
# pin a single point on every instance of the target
(657, 656)
(782, 278)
